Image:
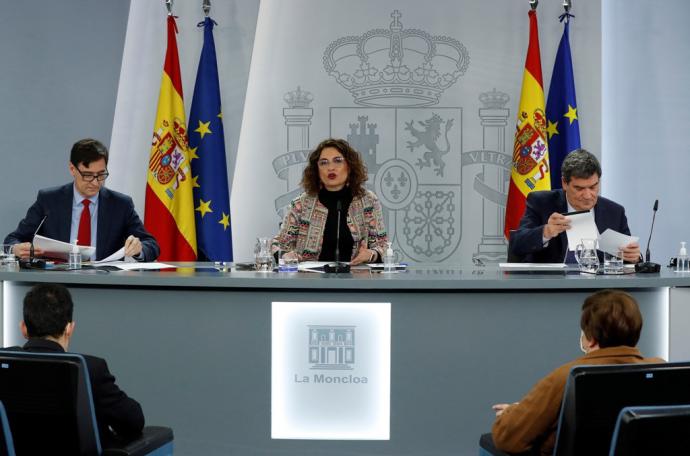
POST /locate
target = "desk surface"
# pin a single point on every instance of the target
(415, 278)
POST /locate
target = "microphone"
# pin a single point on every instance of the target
(338, 266)
(648, 266)
(34, 263)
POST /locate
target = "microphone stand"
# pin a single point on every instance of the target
(34, 263)
(648, 266)
(337, 267)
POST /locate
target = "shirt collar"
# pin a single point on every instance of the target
(78, 198)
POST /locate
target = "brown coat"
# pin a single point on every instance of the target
(535, 417)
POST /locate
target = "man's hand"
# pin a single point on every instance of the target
(631, 252)
(364, 255)
(556, 224)
(500, 408)
(132, 246)
(23, 250)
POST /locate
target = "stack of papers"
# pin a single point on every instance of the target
(61, 250)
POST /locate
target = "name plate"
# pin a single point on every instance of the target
(330, 370)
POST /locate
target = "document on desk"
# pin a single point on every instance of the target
(610, 241)
(116, 256)
(53, 248)
(312, 266)
(582, 226)
(531, 266)
(133, 266)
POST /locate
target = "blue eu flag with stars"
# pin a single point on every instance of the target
(563, 128)
(207, 151)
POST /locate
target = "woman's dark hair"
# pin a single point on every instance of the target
(358, 171)
(611, 318)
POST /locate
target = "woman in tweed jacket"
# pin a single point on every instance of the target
(334, 176)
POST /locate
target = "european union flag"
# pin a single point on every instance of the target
(563, 128)
(207, 150)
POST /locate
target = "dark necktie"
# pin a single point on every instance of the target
(84, 233)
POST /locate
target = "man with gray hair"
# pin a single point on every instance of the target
(541, 237)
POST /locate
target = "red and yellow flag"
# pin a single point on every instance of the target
(530, 151)
(169, 211)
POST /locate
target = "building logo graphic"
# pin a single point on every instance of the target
(331, 347)
(412, 146)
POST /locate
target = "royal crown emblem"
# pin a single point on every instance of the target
(396, 67)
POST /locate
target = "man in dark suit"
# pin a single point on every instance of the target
(86, 212)
(541, 236)
(48, 328)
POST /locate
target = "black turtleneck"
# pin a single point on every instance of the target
(330, 200)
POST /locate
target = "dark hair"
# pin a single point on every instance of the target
(611, 318)
(581, 164)
(47, 310)
(356, 177)
(86, 151)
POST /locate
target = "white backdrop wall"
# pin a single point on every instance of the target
(140, 78)
(645, 117)
(435, 214)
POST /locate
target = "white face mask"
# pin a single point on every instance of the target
(582, 346)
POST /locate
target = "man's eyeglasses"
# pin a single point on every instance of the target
(337, 162)
(90, 177)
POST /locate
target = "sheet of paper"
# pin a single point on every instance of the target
(130, 266)
(582, 226)
(58, 249)
(531, 266)
(312, 266)
(114, 257)
(610, 240)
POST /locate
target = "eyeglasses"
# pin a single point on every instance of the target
(337, 162)
(90, 177)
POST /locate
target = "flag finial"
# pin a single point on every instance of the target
(206, 6)
(169, 6)
(533, 4)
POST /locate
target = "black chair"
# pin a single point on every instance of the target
(595, 395)
(6, 443)
(50, 408)
(652, 430)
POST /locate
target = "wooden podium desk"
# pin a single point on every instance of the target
(194, 347)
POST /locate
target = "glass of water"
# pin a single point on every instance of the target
(613, 264)
(262, 255)
(7, 258)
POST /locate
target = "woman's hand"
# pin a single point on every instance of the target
(291, 256)
(364, 255)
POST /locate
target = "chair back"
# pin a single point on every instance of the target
(595, 395)
(48, 401)
(651, 430)
(6, 442)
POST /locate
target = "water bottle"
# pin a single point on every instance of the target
(389, 259)
(682, 262)
(74, 257)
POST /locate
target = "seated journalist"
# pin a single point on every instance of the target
(48, 328)
(541, 236)
(85, 211)
(610, 327)
(334, 172)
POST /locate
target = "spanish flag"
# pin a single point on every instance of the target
(530, 151)
(169, 211)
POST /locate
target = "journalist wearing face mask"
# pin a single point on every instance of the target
(610, 327)
(333, 183)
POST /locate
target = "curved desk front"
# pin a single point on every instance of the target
(195, 347)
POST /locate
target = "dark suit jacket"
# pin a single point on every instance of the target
(526, 241)
(117, 219)
(114, 409)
